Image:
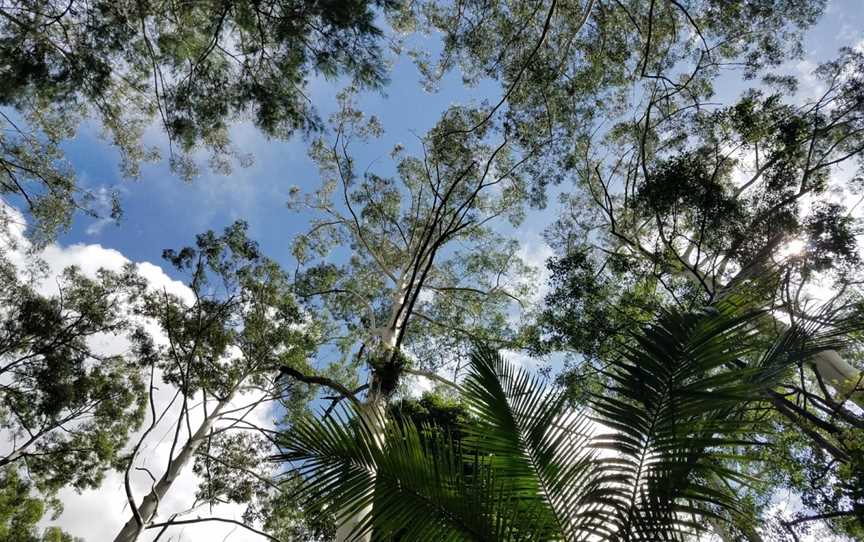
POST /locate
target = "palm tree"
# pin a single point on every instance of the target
(654, 457)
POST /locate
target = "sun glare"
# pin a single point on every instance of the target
(794, 247)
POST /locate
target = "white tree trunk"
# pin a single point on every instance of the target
(847, 381)
(373, 413)
(839, 374)
(148, 507)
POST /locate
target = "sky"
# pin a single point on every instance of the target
(161, 211)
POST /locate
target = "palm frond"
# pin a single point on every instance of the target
(671, 405)
(399, 479)
(535, 443)
(675, 418)
(676, 409)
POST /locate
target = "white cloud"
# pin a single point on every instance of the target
(534, 251)
(415, 386)
(98, 514)
(522, 359)
(103, 204)
(810, 86)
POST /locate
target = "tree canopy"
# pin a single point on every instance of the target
(195, 68)
(67, 409)
(685, 349)
(695, 204)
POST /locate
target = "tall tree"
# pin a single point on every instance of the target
(220, 358)
(196, 67)
(424, 273)
(421, 243)
(714, 197)
(695, 201)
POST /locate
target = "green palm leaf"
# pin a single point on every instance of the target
(404, 480)
(674, 416)
(671, 405)
(676, 410)
(536, 445)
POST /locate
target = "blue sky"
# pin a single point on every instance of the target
(161, 211)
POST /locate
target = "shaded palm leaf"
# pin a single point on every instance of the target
(676, 409)
(675, 419)
(422, 485)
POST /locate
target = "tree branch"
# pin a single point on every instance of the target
(318, 381)
(220, 520)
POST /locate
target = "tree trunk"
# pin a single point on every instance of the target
(148, 507)
(373, 413)
(839, 374)
(847, 381)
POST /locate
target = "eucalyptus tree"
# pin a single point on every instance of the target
(641, 461)
(66, 409)
(192, 67)
(692, 203)
(408, 270)
(217, 367)
(411, 262)
(566, 67)
(714, 197)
